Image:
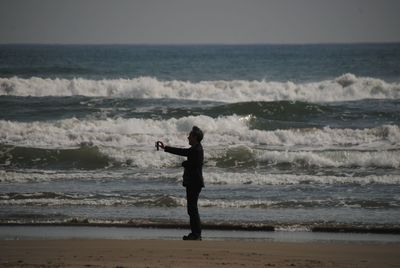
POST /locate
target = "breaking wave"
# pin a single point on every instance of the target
(91, 144)
(221, 131)
(344, 88)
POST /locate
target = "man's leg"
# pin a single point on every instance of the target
(192, 196)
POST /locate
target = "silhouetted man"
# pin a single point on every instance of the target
(192, 177)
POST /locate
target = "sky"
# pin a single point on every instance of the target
(199, 21)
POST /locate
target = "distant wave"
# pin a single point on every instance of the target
(344, 88)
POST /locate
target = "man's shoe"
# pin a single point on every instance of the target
(192, 237)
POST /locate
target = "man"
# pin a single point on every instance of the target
(192, 177)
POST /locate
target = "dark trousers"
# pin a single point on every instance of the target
(192, 196)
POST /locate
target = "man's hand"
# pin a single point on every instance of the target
(159, 144)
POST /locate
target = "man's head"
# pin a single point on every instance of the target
(195, 136)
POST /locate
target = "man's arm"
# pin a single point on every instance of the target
(177, 151)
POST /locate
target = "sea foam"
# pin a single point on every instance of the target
(344, 88)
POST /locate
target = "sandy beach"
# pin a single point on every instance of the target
(173, 253)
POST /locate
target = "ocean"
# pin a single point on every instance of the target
(297, 137)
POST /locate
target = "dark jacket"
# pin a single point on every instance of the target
(193, 166)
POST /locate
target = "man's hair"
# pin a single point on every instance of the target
(197, 133)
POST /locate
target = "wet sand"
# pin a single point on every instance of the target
(174, 253)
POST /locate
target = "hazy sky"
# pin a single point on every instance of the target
(199, 21)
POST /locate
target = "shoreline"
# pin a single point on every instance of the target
(48, 232)
(169, 253)
(322, 228)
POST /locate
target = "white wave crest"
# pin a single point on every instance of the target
(344, 88)
(385, 159)
(259, 178)
(132, 141)
(221, 131)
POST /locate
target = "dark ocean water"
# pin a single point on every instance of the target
(295, 136)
